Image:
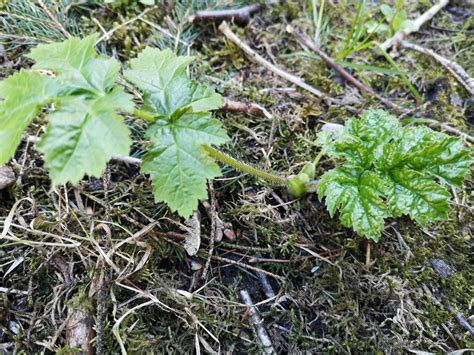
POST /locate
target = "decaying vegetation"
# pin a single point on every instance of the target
(100, 267)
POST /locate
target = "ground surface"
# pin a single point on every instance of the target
(333, 292)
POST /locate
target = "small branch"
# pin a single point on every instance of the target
(306, 42)
(455, 69)
(240, 16)
(225, 29)
(257, 322)
(215, 220)
(420, 21)
(245, 107)
(107, 35)
(80, 321)
(457, 132)
(54, 19)
(12, 291)
(461, 320)
(249, 267)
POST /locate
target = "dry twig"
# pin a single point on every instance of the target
(245, 107)
(107, 35)
(455, 69)
(239, 16)
(257, 322)
(253, 268)
(306, 42)
(225, 29)
(53, 18)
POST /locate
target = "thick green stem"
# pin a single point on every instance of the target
(224, 158)
(318, 158)
(146, 116)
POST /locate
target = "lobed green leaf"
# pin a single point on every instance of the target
(175, 162)
(178, 167)
(84, 130)
(396, 166)
(357, 194)
(161, 75)
(24, 95)
(83, 134)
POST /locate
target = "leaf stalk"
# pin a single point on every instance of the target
(236, 164)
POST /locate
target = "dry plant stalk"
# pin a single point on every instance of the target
(245, 107)
(225, 29)
(240, 16)
(454, 68)
(306, 42)
(257, 323)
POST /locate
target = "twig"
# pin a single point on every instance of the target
(107, 35)
(257, 322)
(225, 29)
(267, 287)
(230, 261)
(164, 31)
(455, 69)
(79, 323)
(245, 107)
(54, 19)
(456, 131)
(214, 229)
(12, 291)
(461, 320)
(306, 42)
(239, 16)
(420, 21)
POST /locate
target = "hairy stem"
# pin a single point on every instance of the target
(236, 164)
(146, 116)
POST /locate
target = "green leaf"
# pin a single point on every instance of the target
(418, 196)
(441, 156)
(83, 134)
(161, 74)
(403, 164)
(175, 161)
(77, 65)
(362, 141)
(358, 196)
(387, 11)
(178, 167)
(325, 141)
(408, 25)
(84, 130)
(24, 94)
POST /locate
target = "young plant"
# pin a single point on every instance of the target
(83, 102)
(361, 35)
(396, 18)
(389, 170)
